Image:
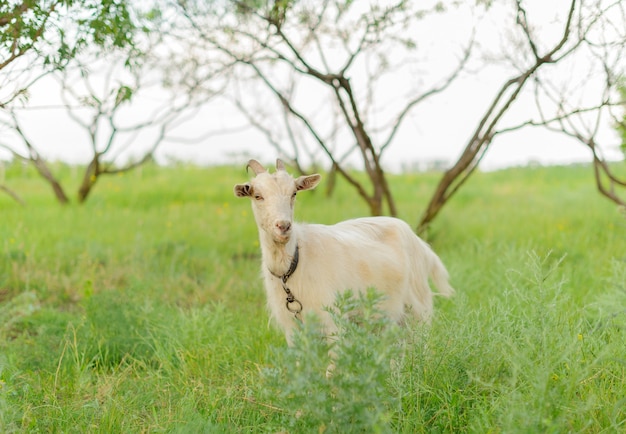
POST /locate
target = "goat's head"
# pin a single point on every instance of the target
(273, 197)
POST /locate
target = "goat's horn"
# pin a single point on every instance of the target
(279, 164)
(256, 166)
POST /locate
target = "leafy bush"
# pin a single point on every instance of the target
(354, 396)
(505, 366)
(509, 365)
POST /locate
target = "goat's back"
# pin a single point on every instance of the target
(379, 252)
(371, 252)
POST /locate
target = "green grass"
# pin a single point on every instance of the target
(143, 311)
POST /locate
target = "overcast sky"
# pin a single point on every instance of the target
(437, 130)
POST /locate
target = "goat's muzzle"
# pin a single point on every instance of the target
(282, 230)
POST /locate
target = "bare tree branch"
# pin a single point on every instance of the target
(38, 162)
(478, 144)
(12, 194)
(265, 39)
(432, 91)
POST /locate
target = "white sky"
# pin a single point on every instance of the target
(437, 130)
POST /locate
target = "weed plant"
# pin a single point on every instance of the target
(526, 363)
(337, 383)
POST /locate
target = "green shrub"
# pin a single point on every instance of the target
(354, 395)
(529, 360)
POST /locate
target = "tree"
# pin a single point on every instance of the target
(594, 30)
(112, 85)
(124, 112)
(324, 65)
(39, 36)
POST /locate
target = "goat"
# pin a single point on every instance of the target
(305, 265)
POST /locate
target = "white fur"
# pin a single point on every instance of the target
(379, 252)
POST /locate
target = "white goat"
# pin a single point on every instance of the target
(306, 265)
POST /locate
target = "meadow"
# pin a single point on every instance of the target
(143, 311)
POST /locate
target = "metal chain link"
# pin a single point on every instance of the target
(291, 299)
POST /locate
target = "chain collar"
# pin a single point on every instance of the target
(292, 304)
(292, 266)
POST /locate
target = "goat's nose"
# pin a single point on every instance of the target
(283, 225)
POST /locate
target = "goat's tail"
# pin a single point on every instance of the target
(439, 276)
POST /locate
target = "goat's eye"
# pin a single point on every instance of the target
(293, 195)
(258, 197)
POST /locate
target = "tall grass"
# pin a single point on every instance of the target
(143, 311)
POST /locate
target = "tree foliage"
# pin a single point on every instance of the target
(37, 36)
(57, 29)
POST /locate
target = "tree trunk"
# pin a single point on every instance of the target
(13, 194)
(452, 179)
(89, 179)
(331, 182)
(45, 172)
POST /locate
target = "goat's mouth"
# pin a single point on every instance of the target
(282, 237)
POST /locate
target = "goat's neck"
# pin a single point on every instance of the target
(277, 257)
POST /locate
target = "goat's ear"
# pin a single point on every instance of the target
(308, 182)
(243, 190)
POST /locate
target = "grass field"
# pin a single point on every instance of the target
(143, 312)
